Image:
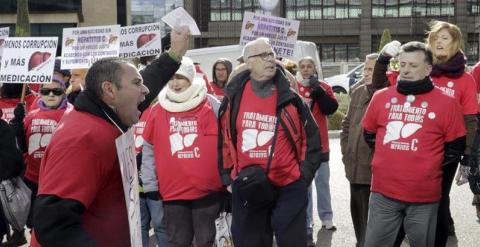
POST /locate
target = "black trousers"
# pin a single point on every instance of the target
(359, 197)
(189, 219)
(444, 219)
(34, 188)
(286, 217)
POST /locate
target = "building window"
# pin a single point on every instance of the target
(473, 7)
(473, 48)
(323, 9)
(330, 53)
(408, 8)
(10, 6)
(232, 10)
(354, 8)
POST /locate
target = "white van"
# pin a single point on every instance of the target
(206, 57)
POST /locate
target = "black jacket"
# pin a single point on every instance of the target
(59, 222)
(11, 161)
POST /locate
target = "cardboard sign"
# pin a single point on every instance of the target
(140, 40)
(84, 45)
(281, 32)
(28, 60)
(180, 17)
(128, 167)
(4, 32)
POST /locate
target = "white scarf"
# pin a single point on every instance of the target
(184, 101)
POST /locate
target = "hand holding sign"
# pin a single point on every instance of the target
(179, 40)
(180, 17)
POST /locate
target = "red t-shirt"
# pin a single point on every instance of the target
(392, 77)
(35, 87)
(463, 89)
(138, 129)
(184, 145)
(81, 163)
(255, 129)
(39, 126)
(215, 90)
(476, 75)
(409, 147)
(8, 105)
(321, 119)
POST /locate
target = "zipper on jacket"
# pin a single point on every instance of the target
(290, 120)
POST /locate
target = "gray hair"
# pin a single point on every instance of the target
(310, 59)
(250, 46)
(372, 56)
(105, 69)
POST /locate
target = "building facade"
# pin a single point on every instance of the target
(149, 11)
(344, 30)
(49, 17)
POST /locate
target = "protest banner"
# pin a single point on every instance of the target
(28, 60)
(128, 167)
(4, 32)
(140, 40)
(82, 46)
(180, 17)
(281, 32)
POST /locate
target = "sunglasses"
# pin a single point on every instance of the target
(55, 91)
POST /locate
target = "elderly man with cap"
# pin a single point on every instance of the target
(269, 151)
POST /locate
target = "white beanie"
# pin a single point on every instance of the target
(187, 69)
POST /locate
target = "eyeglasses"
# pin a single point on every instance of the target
(55, 91)
(264, 56)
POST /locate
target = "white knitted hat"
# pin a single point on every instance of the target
(187, 69)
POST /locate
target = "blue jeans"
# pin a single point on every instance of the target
(153, 210)
(324, 200)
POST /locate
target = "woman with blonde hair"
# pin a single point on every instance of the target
(449, 74)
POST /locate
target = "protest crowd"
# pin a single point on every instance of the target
(231, 161)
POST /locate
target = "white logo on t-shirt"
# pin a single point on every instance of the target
(183, 133)
(41, 132)
(252, 138)
(258, 130)
(404, 121)
(397, 129)
(37, 141)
